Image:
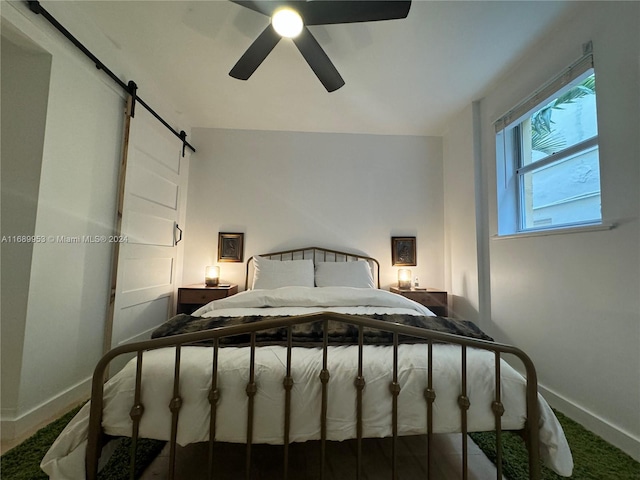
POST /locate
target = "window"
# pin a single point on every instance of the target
(548, 166)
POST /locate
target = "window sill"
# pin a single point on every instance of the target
(556, 231)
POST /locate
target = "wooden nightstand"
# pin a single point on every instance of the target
(434, 300)
(192, 297)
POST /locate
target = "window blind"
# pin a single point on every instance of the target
(547, 91)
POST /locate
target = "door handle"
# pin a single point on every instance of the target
(180, 237)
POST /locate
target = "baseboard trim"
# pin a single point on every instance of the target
(625, 441)
(15, 426)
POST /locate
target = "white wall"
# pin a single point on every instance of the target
(461, 252)
(68, 288)
(286, 189)
(571, 301)
(25, 90)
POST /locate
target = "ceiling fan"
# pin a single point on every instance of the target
(313, 12)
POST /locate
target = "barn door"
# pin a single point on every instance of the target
(152, 205)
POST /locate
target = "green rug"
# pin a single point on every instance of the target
(593, 458)
(23, 461)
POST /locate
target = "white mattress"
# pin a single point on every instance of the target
(65, 459)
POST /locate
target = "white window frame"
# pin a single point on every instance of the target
(509, 151)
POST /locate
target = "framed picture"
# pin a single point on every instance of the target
(403, 251)
(230, 247)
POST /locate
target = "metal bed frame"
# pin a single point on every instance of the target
(317, 254)
(97, 438)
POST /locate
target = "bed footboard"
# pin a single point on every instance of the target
(429, 338)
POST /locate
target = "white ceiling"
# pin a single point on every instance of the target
(405, 77)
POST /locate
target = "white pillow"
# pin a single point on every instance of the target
(344, 274)
(287, 273)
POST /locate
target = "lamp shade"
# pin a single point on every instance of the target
(212, 276)
(404, 279)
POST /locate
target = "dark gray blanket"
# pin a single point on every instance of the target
(310, 334)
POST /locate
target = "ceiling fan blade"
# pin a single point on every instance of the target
(318, 60)
(264, 7)
(320, 12)
(255, 54)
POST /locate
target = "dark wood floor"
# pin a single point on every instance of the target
(304, 461)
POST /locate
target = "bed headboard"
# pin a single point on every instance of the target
(317, 254)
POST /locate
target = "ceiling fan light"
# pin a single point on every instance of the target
(287, 22)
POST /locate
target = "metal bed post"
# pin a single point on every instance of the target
(174, 406)
(251, 393)
(136, 414)
(498, 411)
(395, 388)
(359, 384)
(464, 403)
(288, 385)
(430, 397)
(214, 395)
(324, 378)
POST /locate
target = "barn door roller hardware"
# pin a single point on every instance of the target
(131, 88)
